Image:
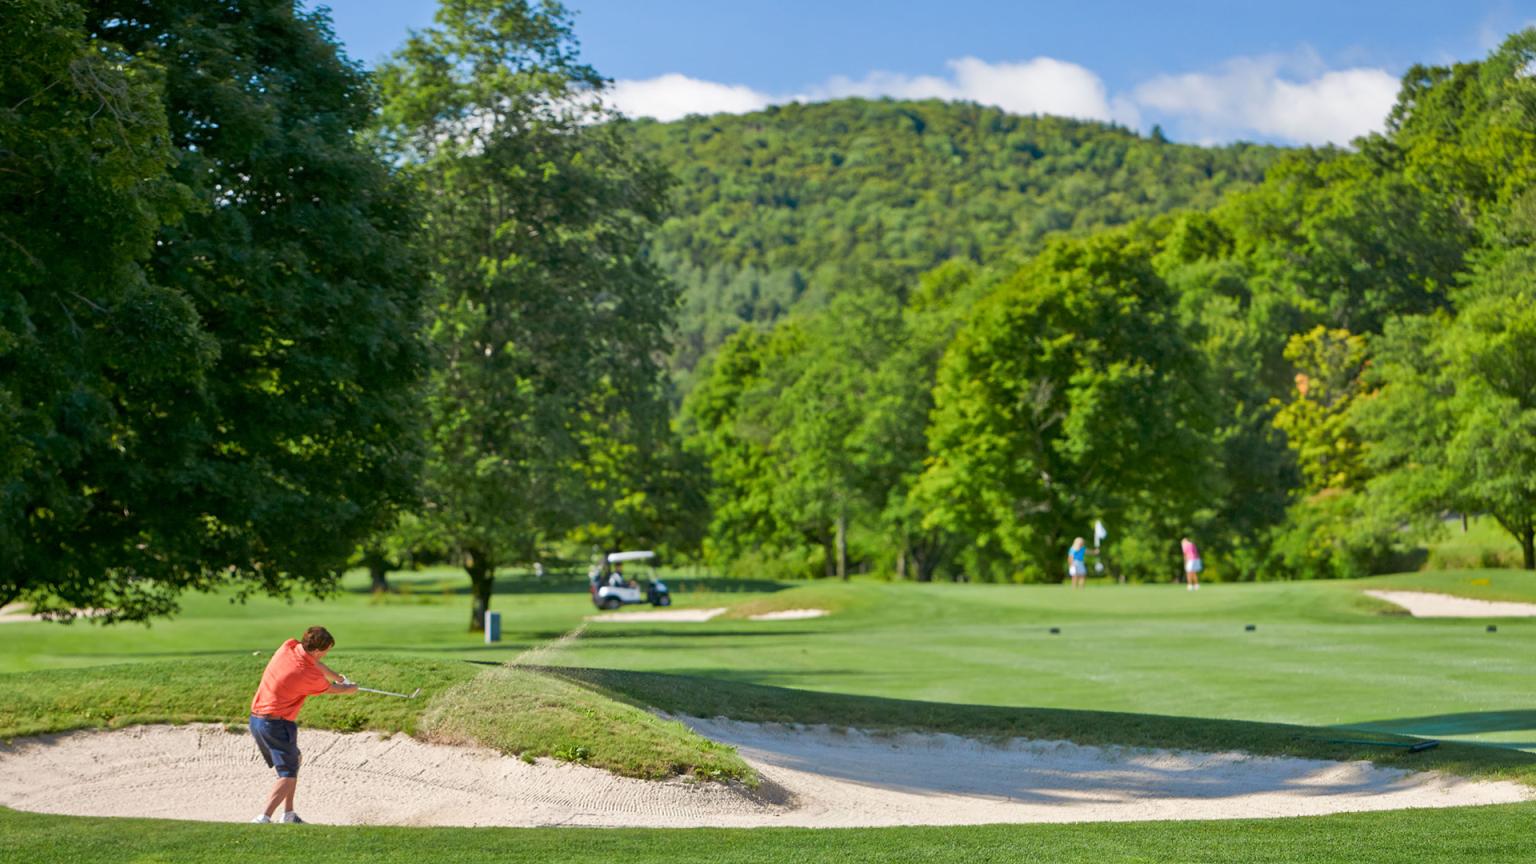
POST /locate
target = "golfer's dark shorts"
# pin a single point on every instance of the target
(278, 741)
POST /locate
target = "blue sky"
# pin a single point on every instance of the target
(1304, 71)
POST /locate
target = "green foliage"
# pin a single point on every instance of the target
(1454, 424)
(547, 316)
(1329, 365)
(222, 390)
(1333, 534)
(790, 206)
(1071, 394)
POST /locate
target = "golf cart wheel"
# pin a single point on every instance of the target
(663, 600)
(608, 603)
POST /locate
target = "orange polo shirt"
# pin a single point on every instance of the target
(291, 677)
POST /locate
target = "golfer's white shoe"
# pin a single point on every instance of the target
(292, 818)
(262, 819)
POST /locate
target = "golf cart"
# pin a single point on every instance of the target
(612, 587)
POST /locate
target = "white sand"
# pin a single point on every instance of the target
(789, 615)
(812, 777)
(1422, 604)
(17, 613)
(661, 615)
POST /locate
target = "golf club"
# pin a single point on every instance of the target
(412, 695)
(361, 689)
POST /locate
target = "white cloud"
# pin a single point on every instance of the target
(1293, 99)
(1040, 86)
(671, 97)
(1254, 96)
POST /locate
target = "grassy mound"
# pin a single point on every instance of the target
(530, 713)
(515, 711)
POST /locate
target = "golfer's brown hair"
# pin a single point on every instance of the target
(317, 639)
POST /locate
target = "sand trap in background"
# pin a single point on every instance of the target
(789, 615)
(813, 777)
(658, 615)
(17, 613)
(1421, 604)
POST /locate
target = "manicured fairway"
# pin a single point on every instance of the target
(1321, 653)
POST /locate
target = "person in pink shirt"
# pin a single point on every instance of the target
(1192, 565)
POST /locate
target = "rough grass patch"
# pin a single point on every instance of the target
(529, 713)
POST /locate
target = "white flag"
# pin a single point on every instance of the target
(1098, 532)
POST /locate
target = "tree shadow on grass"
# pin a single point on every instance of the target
(1465, 723)
(738, 695)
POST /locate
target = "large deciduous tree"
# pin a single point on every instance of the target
(548, 315)
(224, 395)
(1072, 394)
(1453, 427)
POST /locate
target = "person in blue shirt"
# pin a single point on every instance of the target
(1077, 565)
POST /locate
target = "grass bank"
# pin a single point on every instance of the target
(1459, 836)
(515, 711)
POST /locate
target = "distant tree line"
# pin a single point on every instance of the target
(1297, 375)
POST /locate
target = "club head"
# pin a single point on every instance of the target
(416, 692)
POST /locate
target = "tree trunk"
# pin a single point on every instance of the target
(842, 544)
(378, 571)
(482, 578)
(1528, 546)
(901, 565)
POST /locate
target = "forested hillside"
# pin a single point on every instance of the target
(787, 207)
(1295, 376)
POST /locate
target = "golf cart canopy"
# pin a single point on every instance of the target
(617, 557)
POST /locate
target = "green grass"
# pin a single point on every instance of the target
(429, 617)
(1478, 834)
(1322, 653)
(523, 712)
(1141, 665)
(212, 691)
(1483, 545)
(516, 711)
(754, 703)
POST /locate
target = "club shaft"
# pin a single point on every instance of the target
(387, 693)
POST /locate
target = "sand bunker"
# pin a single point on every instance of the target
(812, 777)
(788, 615)
(662, 615)
(1421, 604)
(17, 613)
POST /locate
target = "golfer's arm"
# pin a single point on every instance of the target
(339, 687)
(329, 675)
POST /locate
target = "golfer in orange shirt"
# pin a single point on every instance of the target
(294, 674)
